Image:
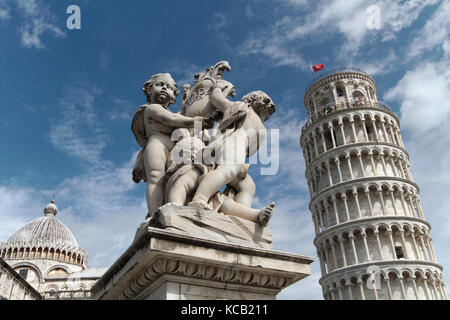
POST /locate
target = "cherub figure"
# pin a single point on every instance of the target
(152, 126)
(183, 179)
(240, 134)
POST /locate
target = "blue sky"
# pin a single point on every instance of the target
(68, 96)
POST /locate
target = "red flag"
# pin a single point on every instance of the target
(318, 67)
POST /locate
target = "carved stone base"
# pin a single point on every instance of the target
(210, 225)
(162, 264)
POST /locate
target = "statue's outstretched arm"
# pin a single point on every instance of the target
(161, 114)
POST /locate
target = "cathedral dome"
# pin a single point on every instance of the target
(44, 229)
(46, 237)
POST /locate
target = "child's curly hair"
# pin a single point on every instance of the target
(259, 100)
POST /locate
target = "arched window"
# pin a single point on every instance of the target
(358, 97)
(340, 91)
(57, 271)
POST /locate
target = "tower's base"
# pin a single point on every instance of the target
(165, 265)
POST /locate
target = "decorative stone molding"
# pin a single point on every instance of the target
(160, 256)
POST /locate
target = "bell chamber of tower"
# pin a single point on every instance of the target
(372, 239)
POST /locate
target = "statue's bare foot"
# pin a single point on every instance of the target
(199, 204)
(265, 214)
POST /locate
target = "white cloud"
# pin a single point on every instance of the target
(4, 11)
(283, 40)
(33, 31)
(424, 94)
(273, 46)
(78, 131)
(18, 206)
(434, 33)
(38, 21)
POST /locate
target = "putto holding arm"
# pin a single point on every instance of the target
(153, 125)
(197, 185)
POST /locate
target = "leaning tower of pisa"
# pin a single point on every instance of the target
(372, 239)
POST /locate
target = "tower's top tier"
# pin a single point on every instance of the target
(340, 89)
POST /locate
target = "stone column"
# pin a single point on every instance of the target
(352, 240)
(430, 244)
(392, 244)
(392, 134)
(435, 290)
(315, 107)
(327, 165)
(416, 250)
(341, 125)
(328, 214)
(347, 214)
(327, 256)
(334, 254)
(416, 293)
(374, 169)
(419, 207)
(352, 122)
(349, 289)
(377, 138)
(330, 127)
(361, 289)
(321, 218)
(402, 236)
(388, 284)
(323, 140)
(338, 165)
(355, 194)
(366, 247)
(394, 167)
(341, 244)
(322, 264)
(361, 164)
(315, 144)
(402, 197)
(316, 224)
(424, 249)
(365, 129)
(393, 201)
(385, 136)
(339, 291)
(380, 192)
(402, 288)
(347, 156)
(380, 251)
(336, 214)
(402, 172)
(367, 191)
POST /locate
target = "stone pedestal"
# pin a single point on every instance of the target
(164, 263)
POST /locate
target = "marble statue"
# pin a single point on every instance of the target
(212, 158)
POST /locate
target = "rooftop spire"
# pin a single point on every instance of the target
(51, 208)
